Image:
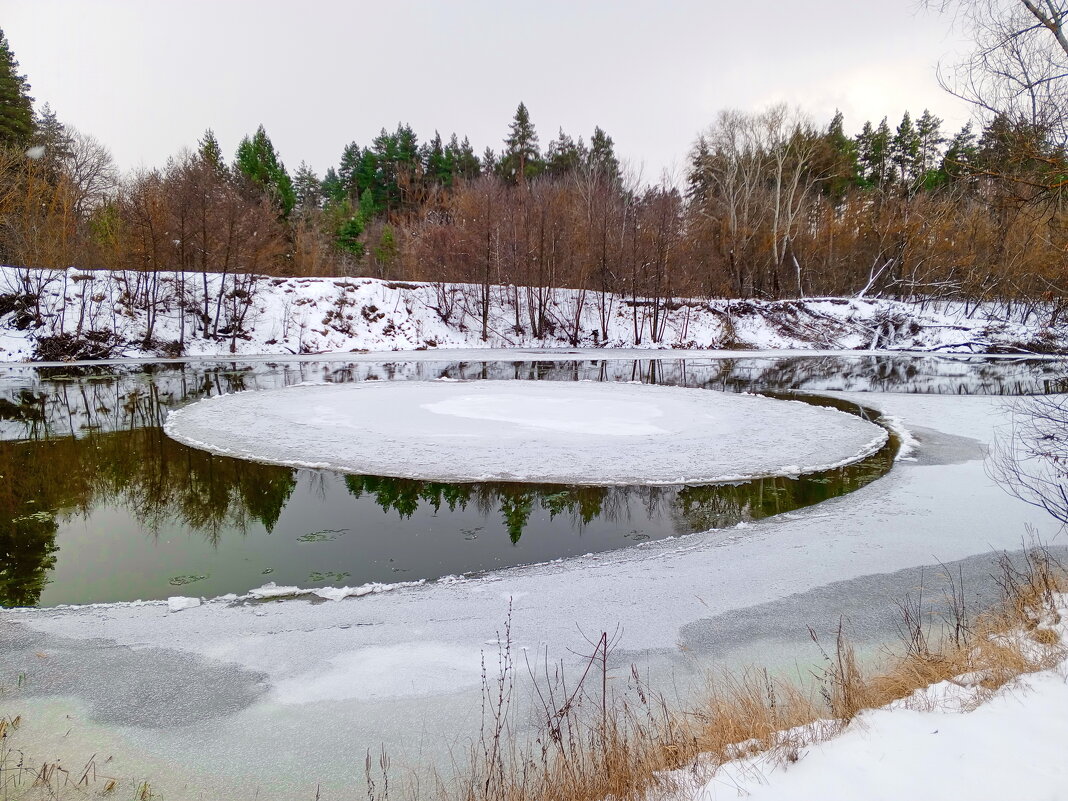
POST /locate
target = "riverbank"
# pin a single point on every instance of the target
(77, 314)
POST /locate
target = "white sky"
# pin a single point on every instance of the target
(147, 77)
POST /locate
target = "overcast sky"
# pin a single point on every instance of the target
(147, 77)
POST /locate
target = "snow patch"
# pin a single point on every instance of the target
(178, 603)
(271, 591)
(390, 671)
(291, 316)
(609, 418)
(372, 588)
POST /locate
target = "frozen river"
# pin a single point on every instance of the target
(270, 700)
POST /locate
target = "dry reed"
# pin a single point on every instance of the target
(591, 744)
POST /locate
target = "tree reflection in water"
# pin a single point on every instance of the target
(514, 501)
(143, 470)
(85, 441)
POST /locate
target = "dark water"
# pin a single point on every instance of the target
(96, 504)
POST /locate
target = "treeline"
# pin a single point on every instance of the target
(778, 206)
(773, 205)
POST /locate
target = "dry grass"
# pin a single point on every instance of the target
(21, 780)
(998, 647)
(590, 743)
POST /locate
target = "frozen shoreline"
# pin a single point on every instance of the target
(526, 355)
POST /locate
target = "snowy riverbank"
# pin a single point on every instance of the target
(45, 315)
(953, 739)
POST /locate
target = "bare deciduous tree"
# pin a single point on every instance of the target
(753, 178)
(1030, 457)
(91, 170)
(1018, 71)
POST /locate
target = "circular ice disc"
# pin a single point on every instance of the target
(532, 431)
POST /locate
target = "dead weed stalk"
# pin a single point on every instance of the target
(605, 737)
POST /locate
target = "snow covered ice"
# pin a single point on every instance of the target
(572, 433)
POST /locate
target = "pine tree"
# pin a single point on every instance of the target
(864, 143)
(348, 170)
(346, 223)
(521, 159)
(308, 189)
(929, 134)
(873, 149)
(348, 234)
(332, 187)
(463, 157)
(1019, 150)
(563, 155)
(16, 105)
(842, 168)
(52, 135)
(602, 156)
(836, 127)
(699, 182)
(392, 152)
(407, 145)
(438, 164)
(961, 154)
(490, 162)
(905, 150)
(356, 173)
(881, 151)
(367, 177)
(209, 151)
(258, 161)
(368, 207)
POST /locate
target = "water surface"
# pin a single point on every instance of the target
(97, 504)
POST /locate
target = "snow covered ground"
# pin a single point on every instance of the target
(940, 743)
(288, 316)
(243, 699)
(535, 431)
